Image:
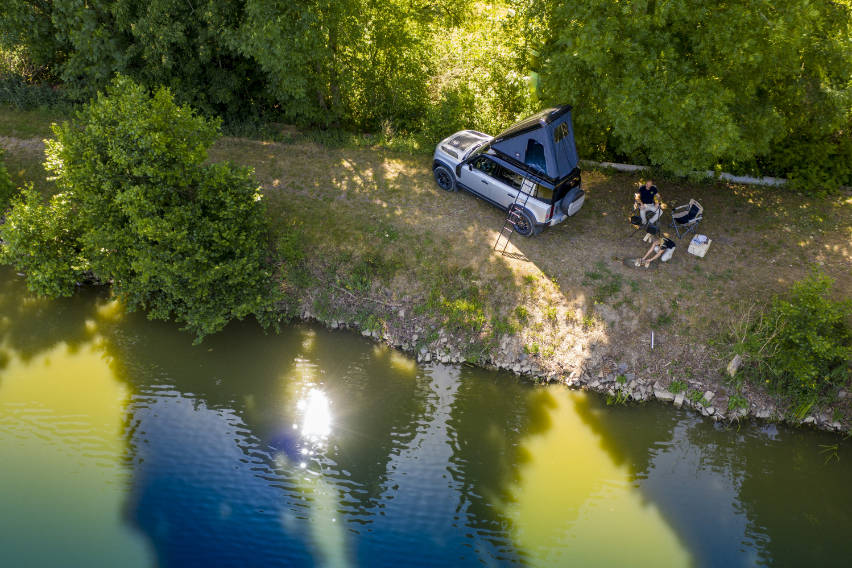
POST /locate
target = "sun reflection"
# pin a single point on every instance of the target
(316, 415)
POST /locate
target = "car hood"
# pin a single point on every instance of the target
(462, 142)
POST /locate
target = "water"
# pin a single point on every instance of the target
(121, 444)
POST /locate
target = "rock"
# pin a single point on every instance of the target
(366, 332)
(842, 395)
(595, 384)
(663, 395)
(401, 313)
(678, 400)
(809, 420)
(445, 359)
(622, 368)
(762, 413)
(334, 325)
(708, 396)
(734, 365)
(711, 410)
(415, 337)
(630, 377)
(837, 426)
(427, 357)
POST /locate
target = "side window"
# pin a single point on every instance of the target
(485, 165)
(510, 178)
(543, 193)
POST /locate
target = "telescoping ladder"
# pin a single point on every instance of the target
(513, 216)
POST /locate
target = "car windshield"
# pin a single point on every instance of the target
(476, 149)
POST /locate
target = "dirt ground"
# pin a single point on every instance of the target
(563, 304)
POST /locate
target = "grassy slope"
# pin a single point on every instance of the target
(366, 236)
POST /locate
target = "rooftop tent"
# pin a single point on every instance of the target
(543, 143)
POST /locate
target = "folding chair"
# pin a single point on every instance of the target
(686, 217)
(651, 224)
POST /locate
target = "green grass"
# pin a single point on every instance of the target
(606, 283)
(29, 123)
(677, 387)
(737, 402)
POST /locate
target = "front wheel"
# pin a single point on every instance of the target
(444, 178)
(524, 224)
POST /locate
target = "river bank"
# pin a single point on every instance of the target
(366, 240)
(388, 253)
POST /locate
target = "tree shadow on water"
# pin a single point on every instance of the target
(30, 325)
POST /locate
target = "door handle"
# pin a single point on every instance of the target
(485, 182)
(512, 195)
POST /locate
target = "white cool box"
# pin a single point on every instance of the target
(699, 245)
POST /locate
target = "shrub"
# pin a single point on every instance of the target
(7, 188)
(800, 348)
(140, 209)
(42, 240)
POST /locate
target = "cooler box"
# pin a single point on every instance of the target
(699, 245)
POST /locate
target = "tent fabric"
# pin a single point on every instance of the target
(550, 131)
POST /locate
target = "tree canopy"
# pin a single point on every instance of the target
(138, 207)
(755, 86)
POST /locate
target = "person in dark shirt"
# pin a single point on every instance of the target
(663, 247)
(647, 201)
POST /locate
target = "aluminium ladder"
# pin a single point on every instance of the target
(513, 216)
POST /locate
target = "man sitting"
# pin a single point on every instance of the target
(647, 200)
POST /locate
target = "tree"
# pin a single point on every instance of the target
(7, 188)
(175, 236)
(686, 84)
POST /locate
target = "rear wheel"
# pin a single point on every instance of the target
(524, 224)
(444, 177)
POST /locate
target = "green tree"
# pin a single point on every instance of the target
(42, 240)
(685, 84)
(175, 236)
(802, 346)
(355, 62)
(7, 188)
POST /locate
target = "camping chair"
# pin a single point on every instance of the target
(652, 219)
(686, 217)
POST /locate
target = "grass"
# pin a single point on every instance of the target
(29, 123)
(606, 283)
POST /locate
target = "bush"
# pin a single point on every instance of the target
(42, 240)
(801, 347)
(7, 188)
(140, 209)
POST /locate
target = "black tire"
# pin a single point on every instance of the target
(444, 177)
(525, 225)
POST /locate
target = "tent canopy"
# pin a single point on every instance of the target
(542, 143)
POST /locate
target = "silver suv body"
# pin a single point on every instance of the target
(532, 167)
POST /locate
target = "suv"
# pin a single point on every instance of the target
(531, 168)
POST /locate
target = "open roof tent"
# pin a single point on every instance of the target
(542, 143)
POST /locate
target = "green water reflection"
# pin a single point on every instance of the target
(122, 444)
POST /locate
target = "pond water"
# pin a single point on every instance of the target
(122, 444)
